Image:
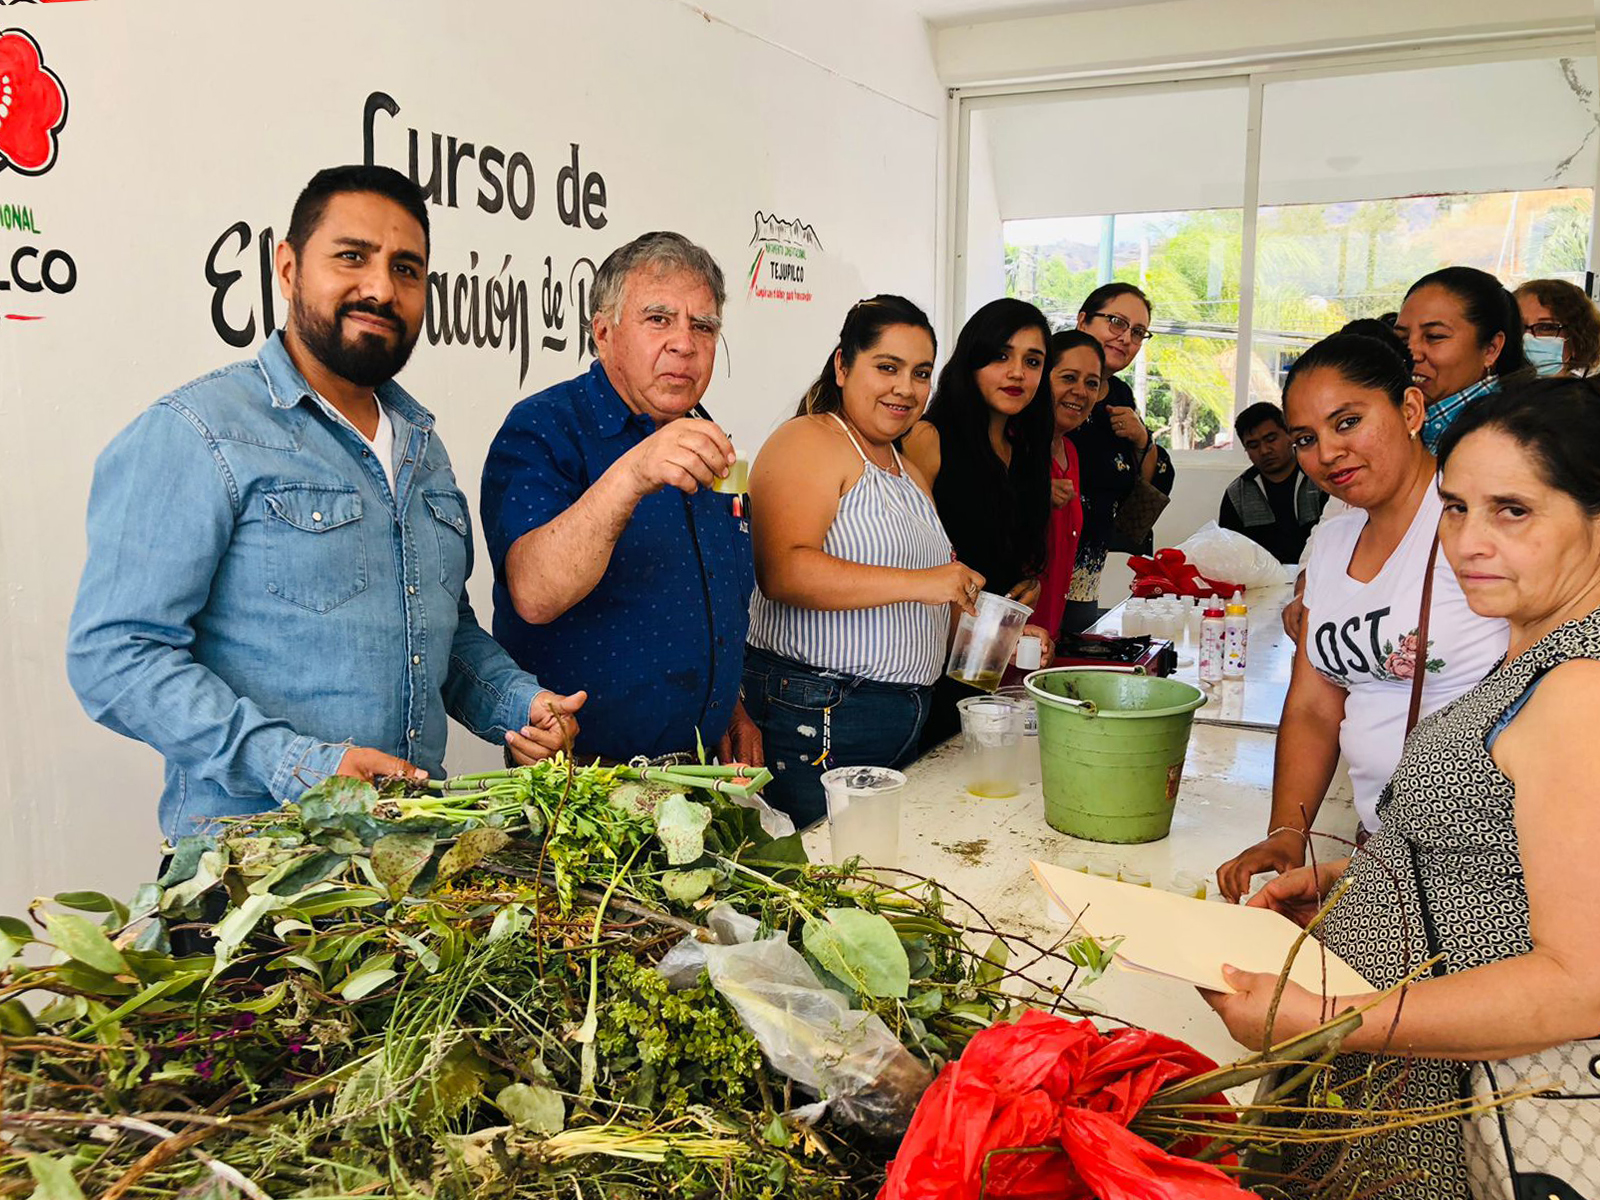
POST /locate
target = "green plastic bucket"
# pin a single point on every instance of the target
(1112, 746)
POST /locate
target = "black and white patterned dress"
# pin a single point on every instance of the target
(1449, 801)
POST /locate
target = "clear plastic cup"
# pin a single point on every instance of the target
(982, 647)
(864, 813)
(1102, 868)
(1190, 883)
(737, 480)
(1134, 876)
(1032, 761)
(991, 737)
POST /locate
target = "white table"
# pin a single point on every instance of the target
(980, 849)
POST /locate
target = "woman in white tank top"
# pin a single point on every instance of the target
(1355, 420)
(853, 569)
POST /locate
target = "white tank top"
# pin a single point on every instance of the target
(884, 520)
(1363, 637)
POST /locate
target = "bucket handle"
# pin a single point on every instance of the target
(1090, 708)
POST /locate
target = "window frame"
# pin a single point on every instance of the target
(1578, 41)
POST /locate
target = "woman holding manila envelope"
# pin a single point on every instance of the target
(1489, 840)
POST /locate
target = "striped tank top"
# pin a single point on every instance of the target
(884, 520)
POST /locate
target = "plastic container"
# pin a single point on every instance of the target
(991, 740)
(1113, 747)
(1235, 637)
(1211, 641)
(982, 647)
(1134, 616)
(864, 813)
(1032, 770)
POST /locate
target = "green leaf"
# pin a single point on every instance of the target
(86, 901)
(994, 964)
(471, 848)
(185, 862)
(84, 941)
(266, 1002)
(428, 959)
(54, 1179)
(925, 1004)
(687, 886)
(201, 877)
(399, 858)
(15, 929)
(1093, 957)
(9, 947)
(16, 1020)
(145, 901)
(368, 977)
(232, 930)
(862, 949)
(327, 903)
(336, 796)
(681, 825)
(166, 987)
(534, 1107)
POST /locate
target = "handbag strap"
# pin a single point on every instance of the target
(1420, 673)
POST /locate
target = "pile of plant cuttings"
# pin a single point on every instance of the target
(549, 981)
(562, 980)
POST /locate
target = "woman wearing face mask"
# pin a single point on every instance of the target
(1464, 332)
(1489, 826)
(985, 448)
(1115, 448)
(1073, 373)
(856, 580)
(1355, 420)
(1560, 327)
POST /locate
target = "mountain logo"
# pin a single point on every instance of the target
(790, 233)
(33, 106)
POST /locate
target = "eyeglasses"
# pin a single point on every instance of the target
(1122, 325)
(1544, 328)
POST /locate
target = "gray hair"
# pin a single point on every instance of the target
(662, 252)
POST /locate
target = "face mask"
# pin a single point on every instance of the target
(1547, 354)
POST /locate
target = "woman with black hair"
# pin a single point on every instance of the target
(1464, 331)
(985, 446)
(855, 580)
(1487, 851)
(1355, 420)
(1117, 453)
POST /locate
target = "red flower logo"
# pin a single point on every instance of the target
(33, 106)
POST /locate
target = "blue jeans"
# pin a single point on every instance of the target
(812, 721)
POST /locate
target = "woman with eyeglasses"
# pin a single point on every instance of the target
(1560, 327)
(1115, 448)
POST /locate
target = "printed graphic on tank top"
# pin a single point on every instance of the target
(1363, 638)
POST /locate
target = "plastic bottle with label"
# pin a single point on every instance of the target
(1211, 638)
(1235, 636)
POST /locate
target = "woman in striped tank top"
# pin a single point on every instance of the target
(856, 582)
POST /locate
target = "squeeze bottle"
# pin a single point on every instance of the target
(1211, 638)
(1235, 636)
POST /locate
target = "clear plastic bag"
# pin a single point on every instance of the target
(810, 1034)
(1219, 553)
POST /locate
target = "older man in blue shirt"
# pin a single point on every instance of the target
(615, 563)
(278, 552)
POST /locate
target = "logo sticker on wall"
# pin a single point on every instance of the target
(778, 271)
(33, 106)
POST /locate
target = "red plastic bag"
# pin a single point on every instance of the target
(1050, 1082)
(1170, 573)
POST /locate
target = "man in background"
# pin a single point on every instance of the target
(1274, 503)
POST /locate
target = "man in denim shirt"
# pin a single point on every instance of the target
(615, 563)
(278, 551)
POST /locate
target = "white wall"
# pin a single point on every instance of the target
(189, 115)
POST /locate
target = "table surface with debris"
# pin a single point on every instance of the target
(980, 849)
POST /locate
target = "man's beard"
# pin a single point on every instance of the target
(370, 359)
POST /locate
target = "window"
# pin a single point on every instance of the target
(1369, 177)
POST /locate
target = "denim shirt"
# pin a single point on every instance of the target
(255, 598)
